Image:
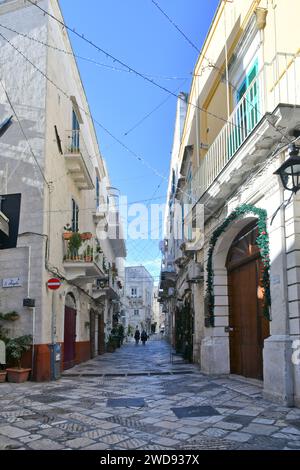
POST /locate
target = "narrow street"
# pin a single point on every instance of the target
(137, 398)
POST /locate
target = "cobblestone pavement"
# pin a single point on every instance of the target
(136, 398)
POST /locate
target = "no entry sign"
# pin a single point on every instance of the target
(53, 283)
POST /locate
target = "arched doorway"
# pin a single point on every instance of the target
(248, 328)
(70, 332)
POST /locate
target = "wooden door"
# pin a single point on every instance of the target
(69, 337)
(247, 326)
(101, 345)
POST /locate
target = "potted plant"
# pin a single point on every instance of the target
(115, 337)
(74, 245)
(121, 333)
(5, 317)
(86, 236)
(105, 269)
(88, 254)
(110, 346)
(15, 349)
(67, 232)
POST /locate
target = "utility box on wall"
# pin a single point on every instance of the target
(55, 354)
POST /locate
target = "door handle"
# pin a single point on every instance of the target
(229, 329)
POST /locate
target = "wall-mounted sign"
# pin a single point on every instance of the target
(12, 282)
(29, 302)
(54, 283)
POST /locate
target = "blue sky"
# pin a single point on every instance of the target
(135, 32)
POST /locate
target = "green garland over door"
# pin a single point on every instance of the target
(263, 244)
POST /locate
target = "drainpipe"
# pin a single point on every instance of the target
(290, 372)
(33, 308)
(197, 125)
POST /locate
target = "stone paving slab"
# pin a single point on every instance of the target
(211, 412)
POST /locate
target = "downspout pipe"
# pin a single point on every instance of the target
(290, 373)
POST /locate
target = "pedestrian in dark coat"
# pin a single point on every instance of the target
(137, 336)
(144, 337)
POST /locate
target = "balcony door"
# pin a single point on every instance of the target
(75, 133)
(247, 109)
(248, 97)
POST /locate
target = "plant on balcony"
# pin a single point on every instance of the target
(67, 232)
(88, 254)
(114, 272)
(15, 349)
(105, 268)
(98, 254)
(86, 235)
(74, 244)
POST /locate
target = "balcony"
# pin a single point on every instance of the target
(270, 103)
(100, 214)
(78, 160)
(107, 287)
(84, 263)
(4, 224)
(168, 274)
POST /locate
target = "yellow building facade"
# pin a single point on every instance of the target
(236, 268)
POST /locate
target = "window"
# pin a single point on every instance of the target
(75, 216)
(75, 132)
(134, 292)
(136, 313)
(97, 192)
(173, 182)
(248, 108)
(5, 125)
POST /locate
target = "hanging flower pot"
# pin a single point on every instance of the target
(86, 235)
(67, 235)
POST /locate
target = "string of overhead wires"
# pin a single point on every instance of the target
(154, 109)
(132, 69)
(176, 26)
(87, 59)
(97, 122)
(130, 151)
(87, 113)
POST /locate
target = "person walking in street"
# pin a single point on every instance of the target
(144, 337)
(137, 336)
